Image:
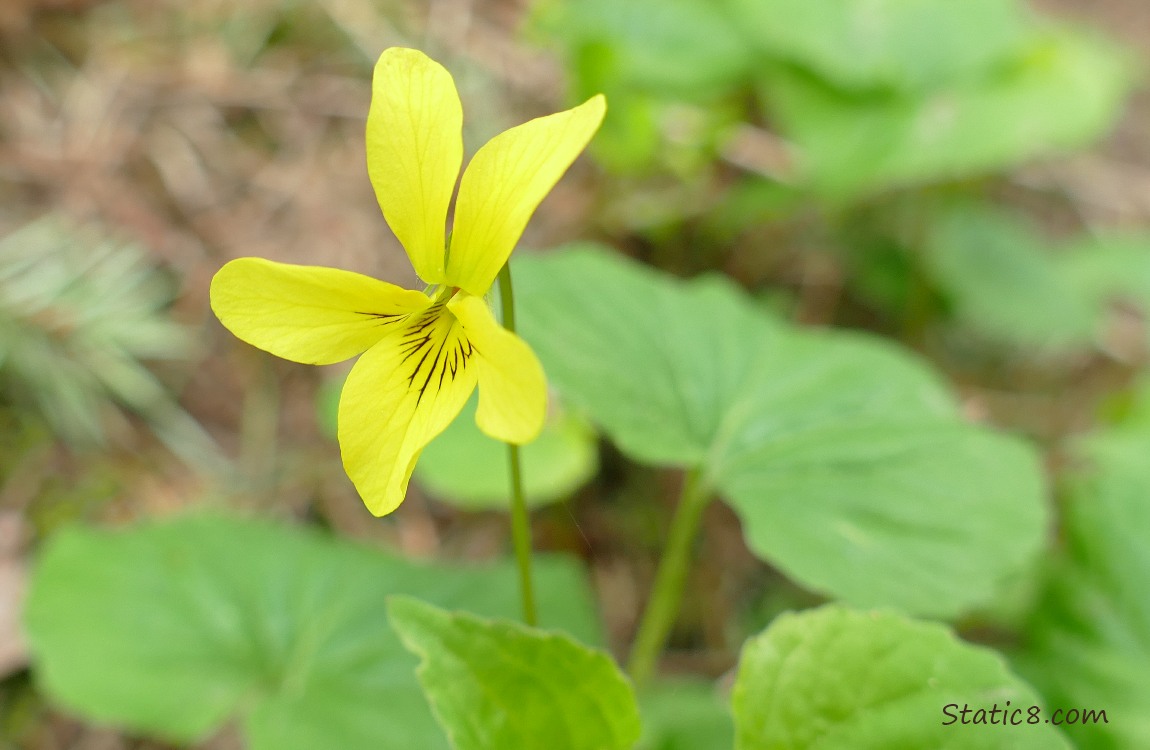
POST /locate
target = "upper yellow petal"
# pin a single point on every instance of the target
(503, 185)
(308, 314)
(401, 394)
(414, 151)
(512, 386)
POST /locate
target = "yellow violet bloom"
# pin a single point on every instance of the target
(423, 353)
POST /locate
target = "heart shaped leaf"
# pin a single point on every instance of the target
(202, 621)
(843, 455)
(837, 679)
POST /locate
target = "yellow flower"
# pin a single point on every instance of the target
(423, 353)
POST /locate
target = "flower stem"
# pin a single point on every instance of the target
(667, 593)
(520, 523)
(521, 534)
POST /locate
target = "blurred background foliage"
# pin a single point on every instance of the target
(970, 180)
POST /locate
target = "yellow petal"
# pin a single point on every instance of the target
(308, 314)
(414, 151)
(503, 185)
(512, 387)
(401, 394)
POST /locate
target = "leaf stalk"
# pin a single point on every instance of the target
(670, 579)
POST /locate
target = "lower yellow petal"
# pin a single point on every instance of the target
(512, 386)
(308, 314)
(402, 393)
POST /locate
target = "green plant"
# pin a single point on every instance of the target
(870, 141)
(80, 314)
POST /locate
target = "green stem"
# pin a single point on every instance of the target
(667, 593)
(521, 534)
(520, 523)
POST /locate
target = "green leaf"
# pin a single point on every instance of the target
(666, 47)
(843, 455)
(1088, 645)
(650, 57)
(922, 516)
(685, 715)
(652, 362)
(1107, 268)
(205, 620)
(469, 469)
(1004, 283)
(1064, 93)
(837, 679)
(886, 43)
(496, 684)
(1111, 264)
(630, 141)
(1129, 410)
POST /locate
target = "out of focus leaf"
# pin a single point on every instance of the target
(1110, 264)
(1063, 93)
(873, 44)
(1109, 268)
(883, 273)
(630, 139)
(1005, 283)
(843, 456)
(174, 629)
(469, 469)
(682, 715)
(837, 678)
(500, 684)
(751, 203)
(667, 47)
(1088, 646)
(650, 57)
(1130, 410)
